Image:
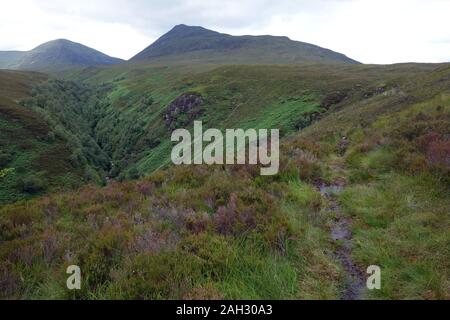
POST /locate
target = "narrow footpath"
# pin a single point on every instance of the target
(341, 234)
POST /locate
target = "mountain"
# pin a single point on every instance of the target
(196, 44)
(9, 58)
(57, 54)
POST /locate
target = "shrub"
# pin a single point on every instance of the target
(5, 172)
(50, 246)
(32, 184)
(197, 223)
(151, 241)
(156, 276)
(5, 159)
(242, 215)
(51, 137)
(9, 282)
(133, 174)
(102, 255)
(302, 165)
(438, 155)
(146, 188)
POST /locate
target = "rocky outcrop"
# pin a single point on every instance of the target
(183, 110)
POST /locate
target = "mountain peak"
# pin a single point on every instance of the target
(181, 26)
(62, 41)
(188, 31)
(58, 43)
(185, 27)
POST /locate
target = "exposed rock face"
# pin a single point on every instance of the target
(183, 110)
(334, 99)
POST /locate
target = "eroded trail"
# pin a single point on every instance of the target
(342, 236)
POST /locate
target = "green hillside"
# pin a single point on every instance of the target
(33, 158)
(136, 136)
(48, 135)
(365, 149)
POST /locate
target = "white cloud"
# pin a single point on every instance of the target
(367, 30)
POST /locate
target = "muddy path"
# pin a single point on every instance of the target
(341, 235)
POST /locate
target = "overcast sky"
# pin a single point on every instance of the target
(371, 31)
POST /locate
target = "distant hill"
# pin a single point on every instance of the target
(199, 45)
(55, 54)
(9, 58)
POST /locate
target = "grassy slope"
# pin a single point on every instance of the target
(207, 232)
(135, 135)
(397, 171)
(26, 151)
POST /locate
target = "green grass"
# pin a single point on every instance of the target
(225, 232)
(401, 225)
(271, 250)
